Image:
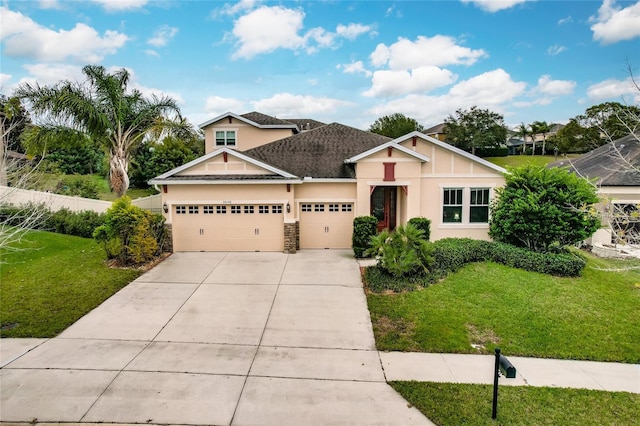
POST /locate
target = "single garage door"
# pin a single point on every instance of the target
(228, 227)
(326, 225)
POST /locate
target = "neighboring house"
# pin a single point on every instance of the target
(615, 170)
(436, 132)
(269, 184)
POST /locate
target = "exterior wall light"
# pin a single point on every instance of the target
(165, 208)
(288, 207)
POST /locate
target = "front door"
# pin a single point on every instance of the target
(383, 207)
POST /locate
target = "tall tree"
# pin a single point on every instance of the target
(523, 131)
(541, 127)
(15, 119)
(475, 128)
(613, 119)
(395, 125)
(113, 117)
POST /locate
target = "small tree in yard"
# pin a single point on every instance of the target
(403, 252)
(542, 208)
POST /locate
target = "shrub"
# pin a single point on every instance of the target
(79, 186)
(129, 233)
(364, 227)
(423, 224)
(378, 281)
(403, 252)
(80, 224)
(539, 208)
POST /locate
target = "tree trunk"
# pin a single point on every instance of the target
(118, 172)
(544, 144)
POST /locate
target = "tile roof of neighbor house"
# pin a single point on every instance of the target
(613, 164)
(318, 153)
(438, 128)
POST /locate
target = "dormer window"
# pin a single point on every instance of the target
(225, 138)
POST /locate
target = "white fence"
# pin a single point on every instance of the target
(56, 202)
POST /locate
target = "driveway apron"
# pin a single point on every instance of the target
(216, 339)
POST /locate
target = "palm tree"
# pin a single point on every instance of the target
(103, 109)
(544, 128)
(522, 131)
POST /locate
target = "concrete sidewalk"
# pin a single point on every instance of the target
(215, 339)
(459, 368)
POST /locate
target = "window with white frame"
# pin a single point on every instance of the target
(225, 137)
(347, 207)
(236, 209)
(318, 207)
(334, 207)
(263, 209)
(181, 209)
(276, 209)
(221, 209)
(306, 207)
(193, 209)
(479, 205)
(248, 209)
(452, 205)
(207, 209)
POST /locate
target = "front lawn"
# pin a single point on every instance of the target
(52, 282)
(523, 160)
(593, 317)
(457, 404)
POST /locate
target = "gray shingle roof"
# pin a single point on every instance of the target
(305, 123)
(318, 153)
(613, 164)
(264, 119)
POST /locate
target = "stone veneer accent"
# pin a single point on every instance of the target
(291, 232)
(168, 238)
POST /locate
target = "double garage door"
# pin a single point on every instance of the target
(326, 225)
(228, 227)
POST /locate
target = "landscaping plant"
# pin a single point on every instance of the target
(543, 208)
(403, 252)
(130, 235)
(364, 227)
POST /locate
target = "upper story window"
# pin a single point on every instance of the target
(479, 209)
(225, 138)
(452, 205)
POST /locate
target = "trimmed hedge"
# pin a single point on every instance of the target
(423, 224)
(364, 227)
(451, 254)
(63, 221)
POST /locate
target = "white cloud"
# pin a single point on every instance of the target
(269, 28)
(235, 8)
(494, 5)
(615, 24)
(49, 74)
(118, 5)
(49, 4)
(566, 20)
(556, 49)
(355, 68)
(389, 83)
(162, 35)
(551, 87)
(612, 89)
(145, 90)
(489, 90)
(4, 78)
(216, 105)
(151, 52)
(22, 37)
(540, 101)
(351, 31)
(289, 105)
(438, 50)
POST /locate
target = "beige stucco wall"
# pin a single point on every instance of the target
(247, 136)
(217, 166)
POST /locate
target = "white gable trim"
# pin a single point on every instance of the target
(246, 120)
(231, 152)
(391, 144)
(451, 148)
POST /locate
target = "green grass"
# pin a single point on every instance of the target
(52, 282)
(593, 317)
(49, 182)
(522, 160)
(457, 404)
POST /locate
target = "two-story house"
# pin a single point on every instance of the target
(274, 184)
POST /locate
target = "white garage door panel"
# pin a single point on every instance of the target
(246, 229)
(326, 225)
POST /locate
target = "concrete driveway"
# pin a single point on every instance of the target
(216, 339)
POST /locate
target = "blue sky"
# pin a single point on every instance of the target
(349, 62)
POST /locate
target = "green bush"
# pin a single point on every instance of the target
(423, 224)
(451, 254)
(403, 252)
(130, 233)
(492, 152)
(80, 224)
(364, 227)
(78, 186)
